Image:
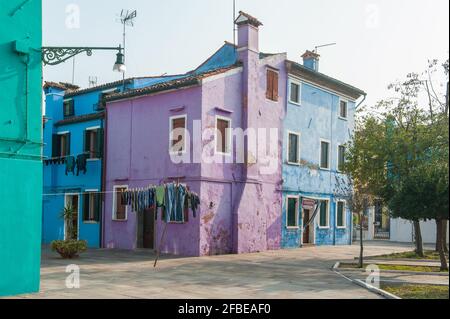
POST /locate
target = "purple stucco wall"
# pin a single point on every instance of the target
(240, 208)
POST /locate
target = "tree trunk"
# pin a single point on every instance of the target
(444, 235)
(442, 257)
(418, 237)
(361, 245)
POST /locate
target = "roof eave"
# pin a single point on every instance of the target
(321, 79)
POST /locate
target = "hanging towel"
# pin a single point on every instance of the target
(70, 165)
(160, 194)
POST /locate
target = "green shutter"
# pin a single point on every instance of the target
(56, 146)
(291, 212)
(100, 137)
(340, 214)
(98, 206)
(85, 207)
(86, 141)
(323, 214)
(68, 144)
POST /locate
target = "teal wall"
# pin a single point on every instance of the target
(20, 145)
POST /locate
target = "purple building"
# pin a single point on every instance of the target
(237, 89)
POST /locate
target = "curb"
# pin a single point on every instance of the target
(376, 290)
(403, 272)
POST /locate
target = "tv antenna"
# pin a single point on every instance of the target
(316, 48)
(127, 18)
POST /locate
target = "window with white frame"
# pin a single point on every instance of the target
(340, 214)
(324, 214)
(119, 208)
(293, 151)
(343, 109)
(223, 135)
(294, 95)
(324, 154)
(178, 134)
(292, 212)
(341, 157)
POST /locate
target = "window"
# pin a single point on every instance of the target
(324, 217)
(92, 206)
(223, 135)
(61, 145)
(292, 212)
(294, 148)
(294, 96)
(343, 109)
(341, 157)
(272, 85)
(68, 108)
(178, 134)
(93, 142)
(119, 209)
(340, 214)
(324, 155)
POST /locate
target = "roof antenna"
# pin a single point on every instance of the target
(127, 19)
(316, 49)
(234, 24)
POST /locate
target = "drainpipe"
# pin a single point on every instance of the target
(105, 148)
(359, 104)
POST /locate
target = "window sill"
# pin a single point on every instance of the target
(93, 159)
(90, 222)
(292, 227)
(120, 220)
(324, 227)
(295, 103)
(341, 227)
(272, 101)
(343, 118)
(325, 169)
(222, 154)
(293, 164)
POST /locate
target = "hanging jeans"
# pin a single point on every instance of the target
(70, 165)
(179, 204)
(170, 202)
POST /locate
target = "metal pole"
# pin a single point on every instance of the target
(160, 245)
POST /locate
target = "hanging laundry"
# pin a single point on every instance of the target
(82, 163)
(160, 194)
(70, 165)
(179, 203)
(195, 203)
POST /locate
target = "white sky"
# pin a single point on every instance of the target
(378, 41)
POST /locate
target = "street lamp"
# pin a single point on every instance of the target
(58, 55)
(120, 66)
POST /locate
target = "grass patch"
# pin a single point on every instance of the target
(396, 267)
(417, 291)
(428, 255)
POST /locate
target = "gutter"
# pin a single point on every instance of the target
(359, 104)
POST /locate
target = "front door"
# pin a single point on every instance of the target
(149, 228)
(306, 217)
(72, 201)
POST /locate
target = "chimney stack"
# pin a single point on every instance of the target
(311, 60)
(248, 32)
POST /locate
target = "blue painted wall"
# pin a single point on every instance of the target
(56, 182)
(316, 117)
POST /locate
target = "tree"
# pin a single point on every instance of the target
(400, 152)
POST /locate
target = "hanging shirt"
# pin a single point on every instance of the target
(160, 196)
(70, 165)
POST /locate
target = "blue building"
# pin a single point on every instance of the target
(318, 123)
(73, 152)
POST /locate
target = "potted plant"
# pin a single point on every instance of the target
(70, 247)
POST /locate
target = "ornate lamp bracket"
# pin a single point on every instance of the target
(57, 55)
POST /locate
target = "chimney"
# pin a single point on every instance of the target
(248, 28)
(311, 60)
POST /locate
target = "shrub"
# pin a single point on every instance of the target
(69, 249)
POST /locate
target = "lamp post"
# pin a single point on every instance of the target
(58, 55)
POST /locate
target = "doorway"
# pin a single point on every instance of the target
(146, 229)
(72, 200)
(306, 231)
